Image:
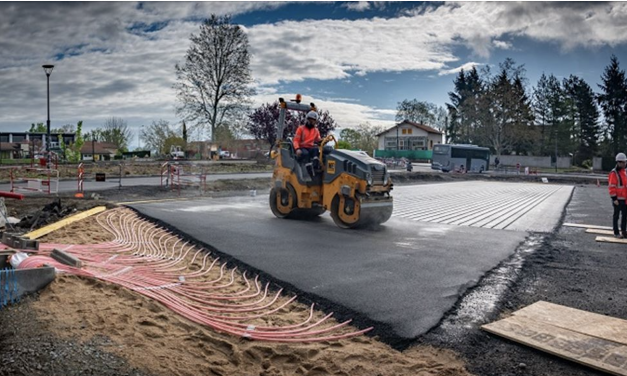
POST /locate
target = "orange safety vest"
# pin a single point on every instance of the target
(305, 137)
(616, 183)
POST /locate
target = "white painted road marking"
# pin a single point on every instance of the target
(507, 206)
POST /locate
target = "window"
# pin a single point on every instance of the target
(478, 153)
(404, 131)
(409, 131)
(440, 149)
(390, 143)
(418, 143)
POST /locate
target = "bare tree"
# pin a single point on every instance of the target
(156, 134)
(214, 81)
(416, 111)
(115, 131)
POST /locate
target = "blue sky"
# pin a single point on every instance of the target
(355, 59)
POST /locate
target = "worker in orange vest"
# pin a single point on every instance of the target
(306, 137)
(617, 184)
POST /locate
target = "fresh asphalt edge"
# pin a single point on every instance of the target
(382, 331)
(440, 336)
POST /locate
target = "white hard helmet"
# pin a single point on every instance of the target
(621, 157)
(312, 115)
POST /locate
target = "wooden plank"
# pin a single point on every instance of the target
(600, 232)
(588, 323)
(607, 356)
(587, 226)
(610, 239)
(64, 222)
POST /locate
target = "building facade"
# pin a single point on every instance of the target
(409, 136)
(16, 145)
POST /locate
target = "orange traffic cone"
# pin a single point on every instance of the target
(79, 195)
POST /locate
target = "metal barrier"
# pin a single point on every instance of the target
(164, 172)
(43, 161)
(81, 173)
(176, 177)
(36, 179)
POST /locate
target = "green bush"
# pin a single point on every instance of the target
(587, 163)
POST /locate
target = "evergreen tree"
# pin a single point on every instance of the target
(471, 105)
(541, 110)
(455, 109)
(583, 113)
(589, 120)
(613, 102)
(555, 115)
(522, 118)
(506, 118)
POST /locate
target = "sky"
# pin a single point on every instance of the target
(357, 60)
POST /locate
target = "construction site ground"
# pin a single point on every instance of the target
(79, 326)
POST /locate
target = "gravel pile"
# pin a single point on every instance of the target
(28, 348)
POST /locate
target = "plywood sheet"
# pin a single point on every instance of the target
(587, 226)
(588, 323)
(591, 351)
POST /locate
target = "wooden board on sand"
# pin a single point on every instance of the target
(64, 222)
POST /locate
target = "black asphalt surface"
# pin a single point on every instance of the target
(402, 276)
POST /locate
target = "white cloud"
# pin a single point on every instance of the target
(345, 113)
(118, 58)
(424, 39)
(503, 45)
(358, 6)
(466, 67)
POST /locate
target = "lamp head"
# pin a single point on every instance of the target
(48, 68)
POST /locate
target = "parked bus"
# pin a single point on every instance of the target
(460, 158)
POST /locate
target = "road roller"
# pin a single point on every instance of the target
(354, 187)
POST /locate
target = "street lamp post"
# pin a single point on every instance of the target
(93, 147)
(48, 69)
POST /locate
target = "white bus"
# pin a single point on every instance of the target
(461, 158)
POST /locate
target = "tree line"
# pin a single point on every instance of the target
(557, 118)
(115, 131)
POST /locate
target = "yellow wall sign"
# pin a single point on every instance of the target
(331, 167)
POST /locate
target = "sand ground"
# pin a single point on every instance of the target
(150, 338)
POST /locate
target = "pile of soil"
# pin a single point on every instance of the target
(140, 168)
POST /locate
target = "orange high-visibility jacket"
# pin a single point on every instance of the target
(617, 184)
(305, 137)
